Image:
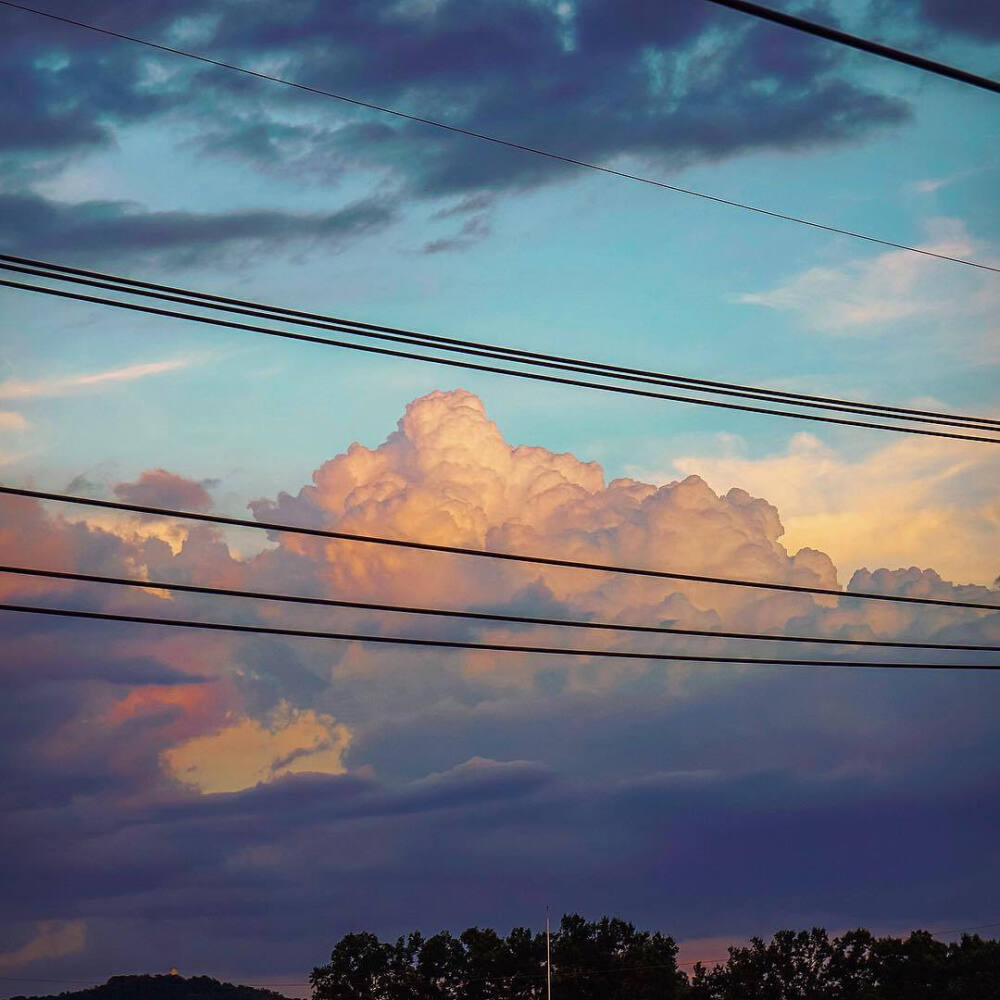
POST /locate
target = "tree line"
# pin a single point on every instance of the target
(610, 959)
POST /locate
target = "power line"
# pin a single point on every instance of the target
(496, 140)
(864, 44)
(491, 369)
(495, 647)
(237, 522)
(118, 283)
(327, 602)
(210, 301)
(965, 930)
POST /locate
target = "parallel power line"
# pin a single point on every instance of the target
(493, 369)
(481, 616)
(857, 42)
(208, 300)
(493, 647)
(496, 140)
(518, 557)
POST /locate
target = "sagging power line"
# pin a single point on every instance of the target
(473, 615)
(536, 560)
(490, 369)
(862, 44)
(493, 647)
(208, 300)
(496, 140)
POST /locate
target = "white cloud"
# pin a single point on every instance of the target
(52, 939)
(929, 185)
(61, 385)
(867, 294)
(909, 501)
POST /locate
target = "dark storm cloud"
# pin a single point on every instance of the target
(603, 80)
(670, 85)
(973, 18)
(667, 85)
(332, 854)
(73, 87)
(133, 671)
(744, 721)
(108, 229)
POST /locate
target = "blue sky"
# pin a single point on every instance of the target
(145, 165)
(587, 263)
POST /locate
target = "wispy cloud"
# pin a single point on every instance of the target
(11, 421)
(912, 306)
(870, 293)
(62, 385)
(929, 185)
(52, 939)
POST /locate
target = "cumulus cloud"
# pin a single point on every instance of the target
(160, 488)
(906, 500)
(448, 475)
(305, 771)
(51, 939)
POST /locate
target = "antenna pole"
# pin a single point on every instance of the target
(548, 957)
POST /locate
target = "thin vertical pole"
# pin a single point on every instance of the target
(548, 957)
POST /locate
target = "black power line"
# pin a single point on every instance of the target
(496, 140)
(237, 522)
(496, 647)
(328, 602)
(864, 44)
(132, 286)
(491, 369)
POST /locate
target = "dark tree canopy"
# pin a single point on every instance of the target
(164, 988)
(604, 960)
(809, 965)
(610, 960)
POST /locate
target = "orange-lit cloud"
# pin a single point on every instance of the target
(10, 420)
(911, 501)
(247, 752)
(52, 939)
(160, 488)
(254, 711)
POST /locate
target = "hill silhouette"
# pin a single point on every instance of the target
(167, 987)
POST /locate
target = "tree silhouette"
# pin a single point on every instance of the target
(604, 960)
(808, 965)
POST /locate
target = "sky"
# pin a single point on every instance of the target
(232, 805)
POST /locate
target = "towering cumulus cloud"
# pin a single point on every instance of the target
(334, 777)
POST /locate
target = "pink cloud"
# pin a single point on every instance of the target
(159, 488)
(446, 474)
